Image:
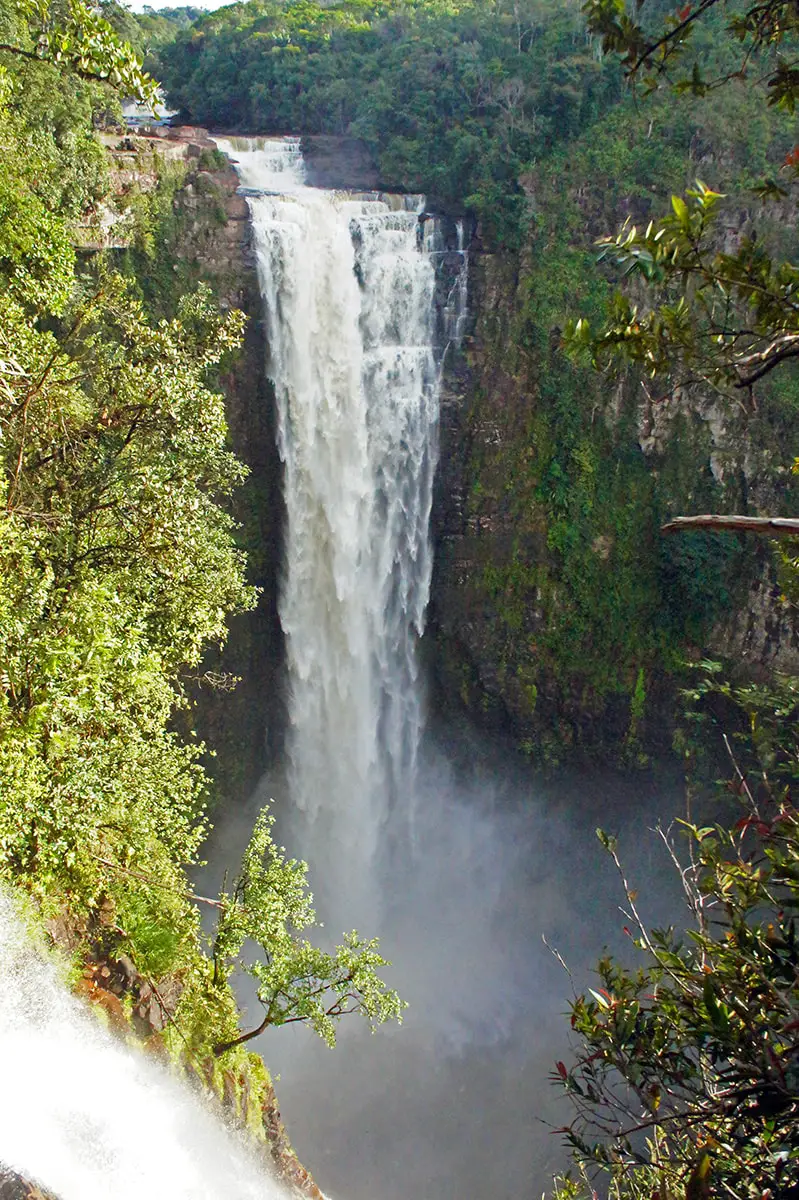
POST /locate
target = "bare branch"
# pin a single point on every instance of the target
(770, 526)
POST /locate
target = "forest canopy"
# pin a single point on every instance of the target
(451, 100)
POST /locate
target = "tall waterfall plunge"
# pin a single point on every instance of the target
(446, 1106)
(348, 284)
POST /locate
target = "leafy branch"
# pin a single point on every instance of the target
(270, 905)
(698, 1047)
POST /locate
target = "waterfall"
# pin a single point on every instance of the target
(348, 284)
(82, 1116)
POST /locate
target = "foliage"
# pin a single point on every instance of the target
(117, 557)
(451, 99)
(687, 1071)
(727, 316)
(270, 905)
(148, 30)
(727, 319)
(118, 569)
(73, 36)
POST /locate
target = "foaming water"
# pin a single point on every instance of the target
(348, 285)
(83, 1117)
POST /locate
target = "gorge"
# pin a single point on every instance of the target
(459, 861)
(332, 485)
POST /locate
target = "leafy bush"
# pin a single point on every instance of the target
(686, 1079)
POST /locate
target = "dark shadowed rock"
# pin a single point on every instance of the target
(340, 162)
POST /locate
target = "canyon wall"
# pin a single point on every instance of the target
(560, 615)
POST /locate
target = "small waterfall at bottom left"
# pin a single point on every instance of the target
(84, 1118)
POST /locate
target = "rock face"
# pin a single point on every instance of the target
(340, 162)
(213, 245)
(548, 608)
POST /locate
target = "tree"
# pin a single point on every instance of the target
(270, 905)
(118, 568)
(686, 1080)
(118, 562)
(75, 37)
(726, 318)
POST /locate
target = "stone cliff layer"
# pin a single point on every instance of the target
(560, 615)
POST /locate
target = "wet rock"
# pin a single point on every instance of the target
(148, 1013)
(229, 1091)
(283, 1159)
(14, 1187)
(340, 162)
(111, 1005)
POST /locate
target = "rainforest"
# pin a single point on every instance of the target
(398, 604)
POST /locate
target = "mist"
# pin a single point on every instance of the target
(457, 1102)
(443, 845)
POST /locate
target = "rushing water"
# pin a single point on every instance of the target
(459, 871)
(86, 1118)
(348, 285)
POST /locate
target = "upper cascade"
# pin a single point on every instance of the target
(349, 287)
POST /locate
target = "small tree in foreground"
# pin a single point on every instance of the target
(270, 905)
(686, 1080)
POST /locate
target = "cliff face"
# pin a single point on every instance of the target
(209, 241)
(245, 725)
(559, 613)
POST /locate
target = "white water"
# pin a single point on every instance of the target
(447, 1106)
(86, 1118)
(348, 286)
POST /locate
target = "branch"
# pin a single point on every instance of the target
(739, 775)
(671, 35)
(155, 883)
(72, 64)
(222, 1047)
(8, 49)
(784, 347)
(770, 526)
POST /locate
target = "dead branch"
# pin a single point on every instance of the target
(769, 526)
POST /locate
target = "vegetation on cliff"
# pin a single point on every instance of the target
(120, 566)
